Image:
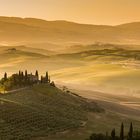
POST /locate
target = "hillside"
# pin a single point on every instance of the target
(29, 30)
(41, 110)
(99, 52)
(108, 67)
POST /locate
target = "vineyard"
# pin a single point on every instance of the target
(41, 110)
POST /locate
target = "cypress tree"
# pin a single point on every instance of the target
(19, 73)
(47, 77)
(22, 78)
(41, 79)
(122, 132)
(26, 74)
(22, 74)
(5, 76)
(26, 77)
(36, 74)
(130, 133)
(113, 134)
(19, 78)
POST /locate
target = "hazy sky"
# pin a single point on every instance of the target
(83, 11)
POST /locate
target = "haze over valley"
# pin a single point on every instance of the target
(98, 62)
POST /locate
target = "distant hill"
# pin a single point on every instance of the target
(98, 46)
(20, 52)
(98, 51)
(42, 110)
(26, 49)
(30, 30)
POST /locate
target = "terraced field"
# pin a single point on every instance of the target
(41, 110)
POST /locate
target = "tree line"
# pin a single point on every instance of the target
(23, 79)
(131, 135)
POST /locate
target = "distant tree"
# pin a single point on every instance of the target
(19, 78)
(41, 79)
(47, 77)
(19, 73)
(26, 74)
(122, 132)
(37, 75)
(130, 133)
(5, 76)
(113, 134)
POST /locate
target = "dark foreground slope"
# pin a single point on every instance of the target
(41, 110)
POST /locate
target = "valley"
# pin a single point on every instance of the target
(97, 65)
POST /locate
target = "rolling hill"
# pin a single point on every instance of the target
(29, 30)
(97, 66)
(42, 110)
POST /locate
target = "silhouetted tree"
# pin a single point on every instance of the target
(113, 134)
(26, 74)
(37, 75)
(22, 75)
(5, 76)
(122, 132)
(19, 73)
(47, 77)
(41, 79)
(130, 133)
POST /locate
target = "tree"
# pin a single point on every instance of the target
(19, 73)
(36, 74)
(113, 134)
(47, 77)
(41, 79)
(26, 74)
(130, 133)
(19, 78)
(122, 132)
(5, 76)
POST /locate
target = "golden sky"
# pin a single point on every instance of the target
(83, 11)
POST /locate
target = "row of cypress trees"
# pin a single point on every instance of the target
(113, 136)
(130, 133)
(22, 79)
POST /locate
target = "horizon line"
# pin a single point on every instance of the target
(43, 19)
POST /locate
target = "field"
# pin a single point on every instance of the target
(107, 73)
(115, 112)
(42, 110)
(107, 68)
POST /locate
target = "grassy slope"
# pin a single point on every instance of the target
(41, 110)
